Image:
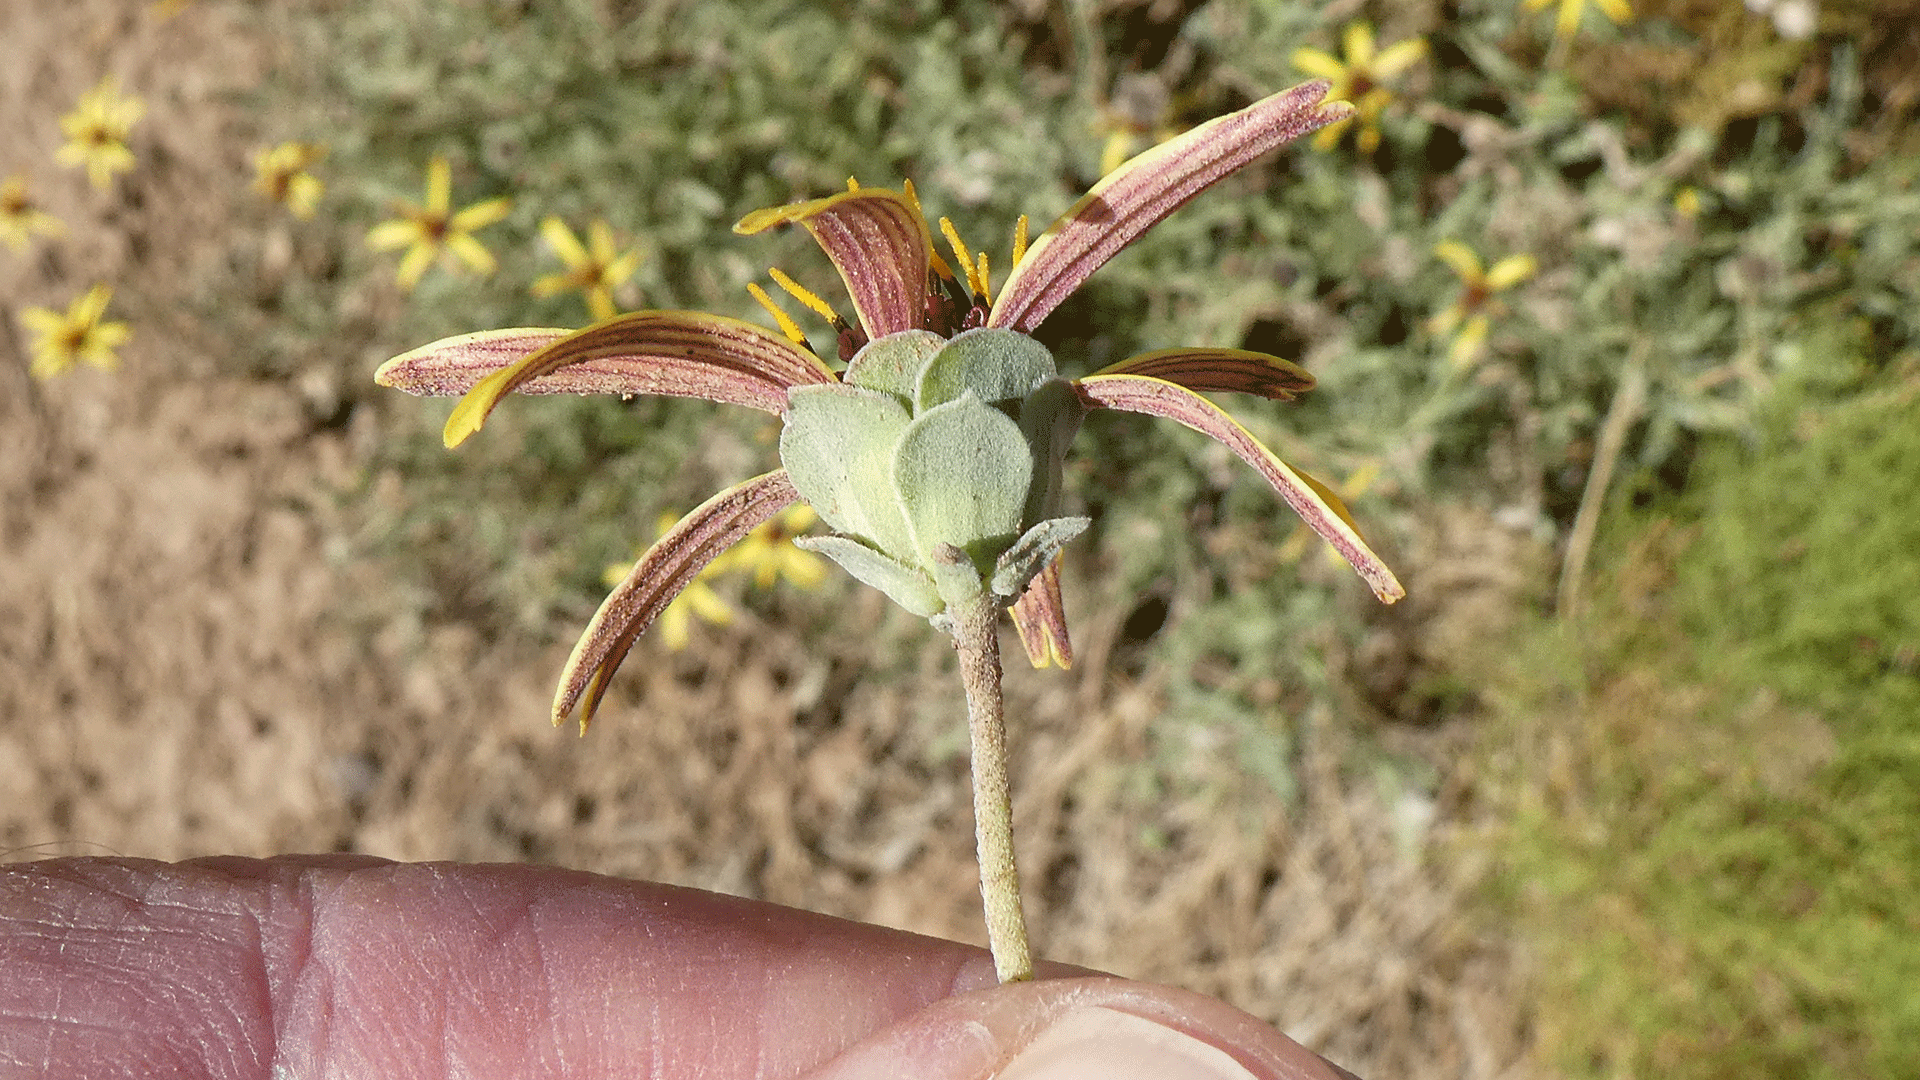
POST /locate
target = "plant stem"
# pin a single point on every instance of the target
(977, 639)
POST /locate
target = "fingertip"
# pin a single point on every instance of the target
(1079, 1029)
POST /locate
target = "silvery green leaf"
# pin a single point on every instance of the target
(961, 471)
(909, 588)
(1031, 553)
(997, 365)
(955, 576)
(892, 364)
(1050, 418)
(837, 446)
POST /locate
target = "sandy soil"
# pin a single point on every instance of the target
(187, 665)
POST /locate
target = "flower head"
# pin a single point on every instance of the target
(97, 130)
(20, 217)
(78, 336)
(595, 268)
(1361, 78)
(1479, 300)
(280, 173)
(432, 228)
(936, 456)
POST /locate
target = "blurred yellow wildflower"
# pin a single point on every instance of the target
(697, 599)
(595, 268)
(97, 130)
(1478, 302)
(1360, 79)
(1686, 202)
(426, 231)
(769, 554)
(20, 218)
(61, 340)
(1566, 22)
(1140, 110)
(280, 173)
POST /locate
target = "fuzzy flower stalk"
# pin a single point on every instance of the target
(936, 456)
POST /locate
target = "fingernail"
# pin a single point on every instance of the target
(1098, 1043)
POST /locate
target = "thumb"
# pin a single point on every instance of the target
(1096, 1028)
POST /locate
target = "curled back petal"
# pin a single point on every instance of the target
(1315, 504)
(879, 243)
(1220, 370)
(680, 353)
(668, 567)
(1042, 620)
(1134, 197)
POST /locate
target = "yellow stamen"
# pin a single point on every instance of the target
(852, 184)
(806, 297)
(940, 266)
(787, 325)
(985, 296)
(1019, 241)
(960, 252)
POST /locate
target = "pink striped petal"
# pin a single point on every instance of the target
(1220, 370)
(1042, 620)
(1316, 505)
(1133, 198)
(669, 566)
(678, 353)
(879, 243)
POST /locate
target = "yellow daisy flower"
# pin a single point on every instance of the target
(20, 217)
(768, 552)
(280, 173)
(61, 340)
(427, 231)
(1360, 79)
(594, 268)
(1471, 314)
(97, 130)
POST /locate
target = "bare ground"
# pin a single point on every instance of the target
(187, 666)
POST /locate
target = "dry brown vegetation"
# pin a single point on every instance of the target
(188, 666)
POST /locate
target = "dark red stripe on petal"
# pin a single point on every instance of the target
(451, 366)
(1220, 370)
(668, 567)
(1133, 198)
(679, 353)
(879, 243)
(1041, 619)
(1156, 397)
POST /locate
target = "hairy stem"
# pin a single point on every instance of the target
(975, 636)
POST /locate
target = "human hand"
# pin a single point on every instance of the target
(350, 966)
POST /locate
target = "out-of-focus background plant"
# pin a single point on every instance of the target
(1614, 320)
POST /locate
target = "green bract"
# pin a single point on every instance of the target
(975, 466)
